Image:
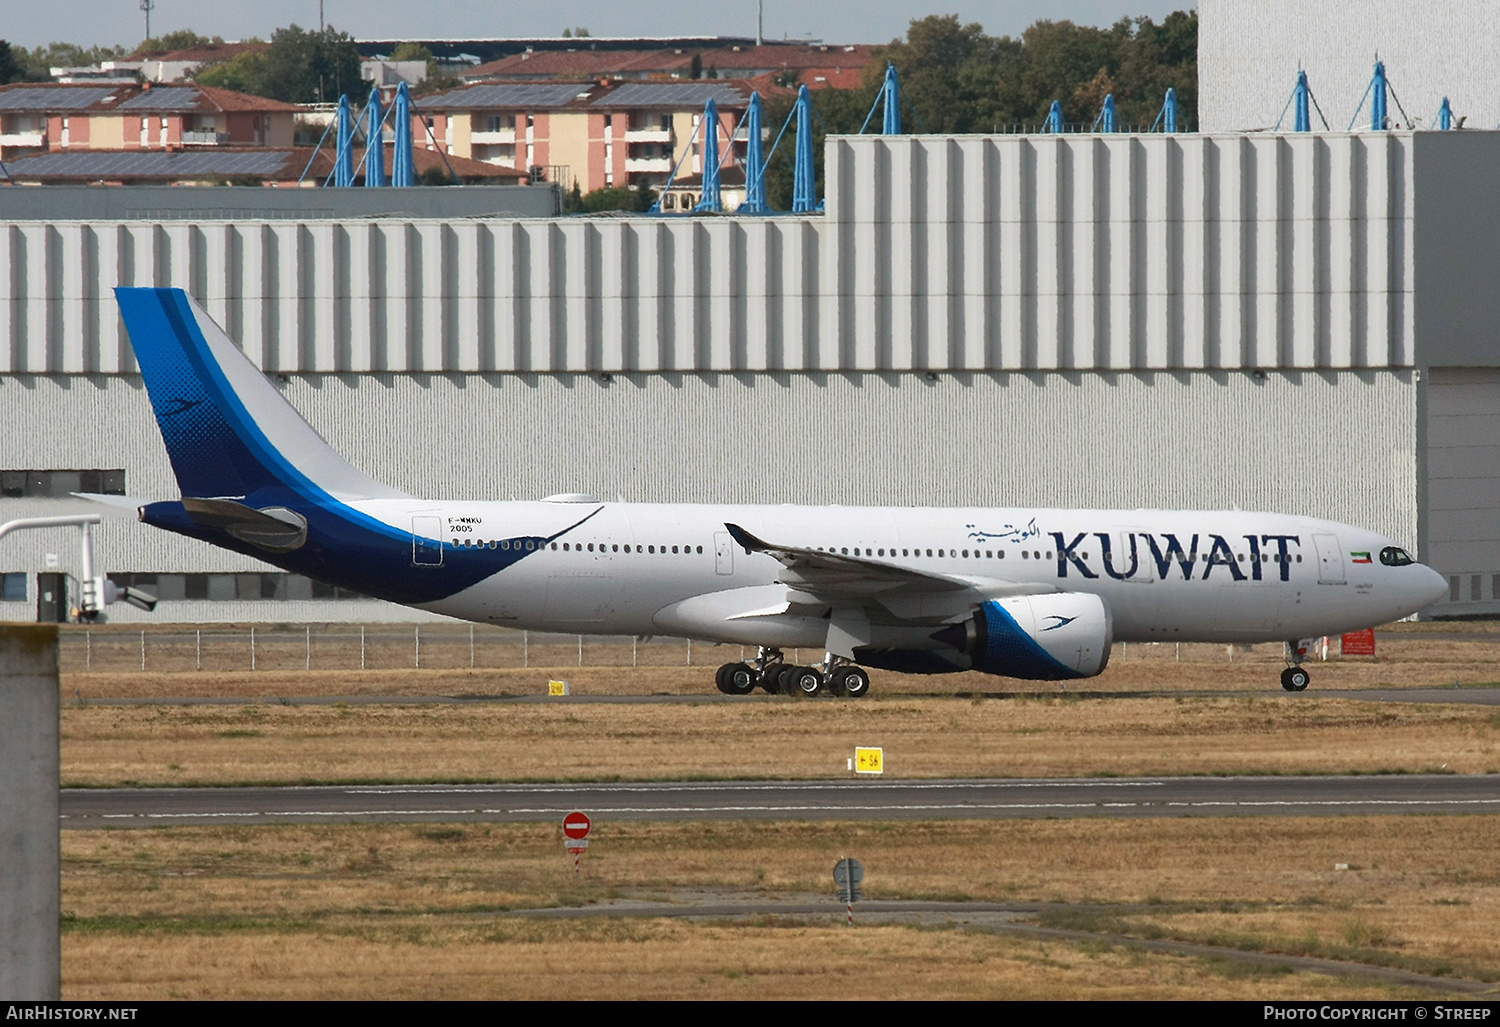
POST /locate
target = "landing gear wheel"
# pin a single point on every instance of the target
(1295, 679)
(805, 681)
(768, 678)
(852, 682)
(738, 679)
(719, 677)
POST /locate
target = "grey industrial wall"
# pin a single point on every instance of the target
(975, 253)
(1098, 312)
(1128, 440)
(1249, 53)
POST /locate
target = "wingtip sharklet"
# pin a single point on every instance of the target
(750, 543)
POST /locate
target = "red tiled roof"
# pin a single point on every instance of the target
(856, 57)
(271, 165)
(227, 100)
(584, 64)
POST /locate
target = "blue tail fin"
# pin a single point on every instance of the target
(228, 432)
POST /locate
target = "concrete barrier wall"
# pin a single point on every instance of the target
(30, 844)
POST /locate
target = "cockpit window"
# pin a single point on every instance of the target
(1391, 556)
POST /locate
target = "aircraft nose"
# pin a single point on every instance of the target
(1431, 587)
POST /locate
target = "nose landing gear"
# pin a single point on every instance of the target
(1294, 678)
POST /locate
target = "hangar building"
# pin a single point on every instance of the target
(1296, 323)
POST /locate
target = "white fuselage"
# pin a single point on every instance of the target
(1226, 576)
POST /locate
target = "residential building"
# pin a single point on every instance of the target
(128, 116)
(222, 165)
(589, 134)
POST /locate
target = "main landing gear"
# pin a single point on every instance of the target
(769, 670)
(1295, 678)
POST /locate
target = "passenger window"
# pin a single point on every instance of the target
(674, 549)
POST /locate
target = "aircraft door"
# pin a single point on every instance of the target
(1131, 556)
(723, 553)
(426, 541)
(1330, 560)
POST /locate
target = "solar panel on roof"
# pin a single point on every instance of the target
(671, 94)
(163, 98)
(525, 95)
(155, 164)
(53, 98)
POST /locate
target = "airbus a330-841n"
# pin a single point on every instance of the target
(1024, 593)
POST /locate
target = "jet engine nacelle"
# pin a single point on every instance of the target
(1039, 637)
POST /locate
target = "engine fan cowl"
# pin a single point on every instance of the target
(1037, 638)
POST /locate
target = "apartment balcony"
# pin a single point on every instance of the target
(205, 138)
(648, 135)
(634, 165)
(9, 139)
(506, 137)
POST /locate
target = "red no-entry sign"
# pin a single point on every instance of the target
(576, 826)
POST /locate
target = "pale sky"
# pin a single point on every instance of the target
(110, 22)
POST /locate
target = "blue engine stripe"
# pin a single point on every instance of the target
(1005, 649)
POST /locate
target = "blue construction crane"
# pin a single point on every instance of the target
(375, 142)
(710, 202)
(890, 96)
(403, 165)
(755, 164)
(804, 199)
(1055, 119)
(343, 162)
(1378, 89)
(1106, 121)
(1445, 116)
(1167, 116)
(1303, 102)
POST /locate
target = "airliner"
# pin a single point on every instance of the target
(1029, 593)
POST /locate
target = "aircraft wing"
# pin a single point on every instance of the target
(832, 578)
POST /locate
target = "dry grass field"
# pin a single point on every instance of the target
(327, 660)
(782, 738)
(426, 911)
(434, 910)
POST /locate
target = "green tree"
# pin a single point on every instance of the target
(182, 39)
(613, 197)
(244, 73)
(412, 52)
(309, 67)
(38, 64)
(11, 69)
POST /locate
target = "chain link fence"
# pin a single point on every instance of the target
(365, 647)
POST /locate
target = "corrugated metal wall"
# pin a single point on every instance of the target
(975, 253)
(1091, 251)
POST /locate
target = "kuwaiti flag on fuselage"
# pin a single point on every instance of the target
(1360, 557)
